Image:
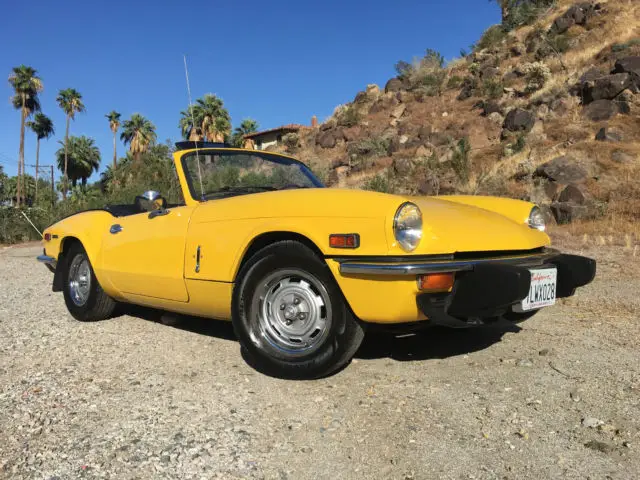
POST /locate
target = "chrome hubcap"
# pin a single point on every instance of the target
(293, 310)
(79, 280)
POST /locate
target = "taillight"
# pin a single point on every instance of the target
(47, 237)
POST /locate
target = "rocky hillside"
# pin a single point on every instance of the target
(548, 111)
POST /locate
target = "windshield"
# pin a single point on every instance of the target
(228, 173)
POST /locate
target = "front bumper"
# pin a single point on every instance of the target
(49, 262)
(484, 288)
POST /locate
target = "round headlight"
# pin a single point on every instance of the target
(536, 219)
(407, 226)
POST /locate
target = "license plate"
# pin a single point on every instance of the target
(542, 292)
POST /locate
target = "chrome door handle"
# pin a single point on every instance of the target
(159, 213)
(117, 228)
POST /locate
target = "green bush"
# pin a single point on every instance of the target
(455, 81)
(621, 47)
(378, 183)
(430, 83)
(403, 69)
(492, 37)
(493, 89)
(369, 147)
(426, 74)
(552, 45)
(460, 162)
(537, 75)
(349, 116)
(291, 142)
(523, 12)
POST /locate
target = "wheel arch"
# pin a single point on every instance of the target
(65, 244)
(268, 238)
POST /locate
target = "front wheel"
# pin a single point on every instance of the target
(85, 299)
(289, 315)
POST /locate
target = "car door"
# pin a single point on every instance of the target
(143, 254)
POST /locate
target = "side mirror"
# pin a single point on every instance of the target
(150, 201)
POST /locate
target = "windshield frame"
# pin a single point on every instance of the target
(267, 156)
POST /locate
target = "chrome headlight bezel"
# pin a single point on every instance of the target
(407, 226)
(536, 219)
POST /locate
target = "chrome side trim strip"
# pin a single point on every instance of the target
(408, 268)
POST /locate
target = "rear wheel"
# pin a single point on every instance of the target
(85, 299)
(290, 316)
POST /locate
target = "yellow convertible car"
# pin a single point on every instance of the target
(300, 269)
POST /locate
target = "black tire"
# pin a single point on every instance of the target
(97, 305)
(338, 335)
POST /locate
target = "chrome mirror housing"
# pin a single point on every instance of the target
(151, 201)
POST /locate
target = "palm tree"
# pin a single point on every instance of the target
(186, 125)
(26, 86)
(42, 126)
(139, 133)
(212, 120)
(114, 125)
(215, 121)
(80, 156)
(247, 126)
(70, 101)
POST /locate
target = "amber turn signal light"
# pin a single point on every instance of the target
(344, 240)
(436, 282)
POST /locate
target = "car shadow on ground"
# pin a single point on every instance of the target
(430, 343)
(197, 325)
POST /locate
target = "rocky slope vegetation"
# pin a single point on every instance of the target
(548, 112)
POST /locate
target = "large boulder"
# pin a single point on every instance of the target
(576, 15)
(518, 120)
(490, 107)
(606, 88)
(620, 156)
(385, 102)
(630, 65)
(601, 110)
(361, 97)
(563, 170)
(402, 166)
(395, 85)
(565, 212)
(572, 194)
(329, 138)
(398, 111)
(352, 133)
(488, 72)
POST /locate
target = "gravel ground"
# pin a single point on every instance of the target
(146, 395)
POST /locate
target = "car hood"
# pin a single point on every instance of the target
(450, 227)
(451, 224)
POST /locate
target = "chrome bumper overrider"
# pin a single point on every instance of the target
(50, 262)
(354, 266)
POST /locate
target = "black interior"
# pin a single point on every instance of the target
(124, 210)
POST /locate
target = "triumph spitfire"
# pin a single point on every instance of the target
(301, 270)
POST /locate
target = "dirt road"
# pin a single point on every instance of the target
(134, 397)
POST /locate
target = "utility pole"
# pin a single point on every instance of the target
(49, 169)
(53, 188)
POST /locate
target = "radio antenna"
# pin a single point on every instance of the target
(193, 125)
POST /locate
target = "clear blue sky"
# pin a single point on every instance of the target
(275, 61)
